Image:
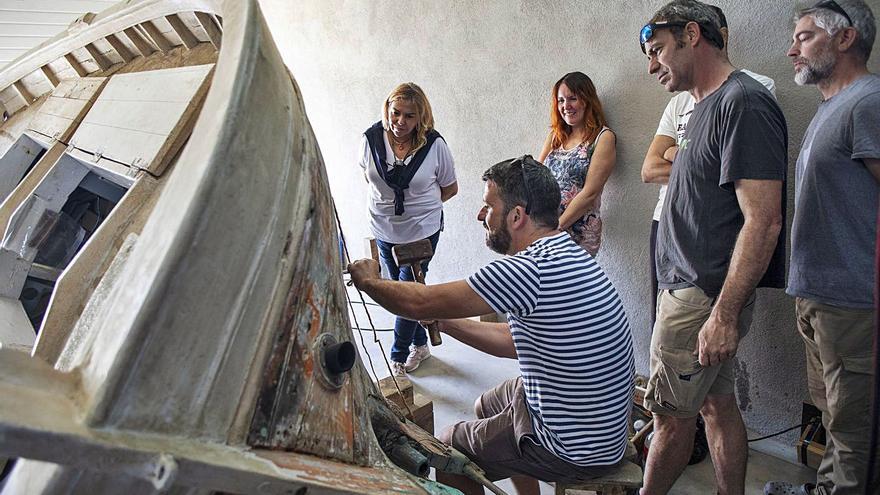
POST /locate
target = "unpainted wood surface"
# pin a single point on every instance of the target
(141, 119)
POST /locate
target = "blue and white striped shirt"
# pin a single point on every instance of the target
(573, 343)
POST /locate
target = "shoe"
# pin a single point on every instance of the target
(417, 354)
(398, 369)
(786, 488)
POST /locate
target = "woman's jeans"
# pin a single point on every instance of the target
(406, 332)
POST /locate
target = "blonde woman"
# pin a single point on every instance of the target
(411, 173)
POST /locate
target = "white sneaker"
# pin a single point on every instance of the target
(417, 354)
(398, 369)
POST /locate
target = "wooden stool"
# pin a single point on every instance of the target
(625, 480)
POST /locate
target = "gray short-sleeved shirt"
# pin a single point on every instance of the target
(833, 234)
(737, 132)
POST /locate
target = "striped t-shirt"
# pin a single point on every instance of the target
(573, 344)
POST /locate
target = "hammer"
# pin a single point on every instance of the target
(413, 254)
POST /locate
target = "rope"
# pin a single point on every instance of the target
(369, 319)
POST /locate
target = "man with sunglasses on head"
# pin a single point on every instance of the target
(566, 417)
(718, 239)
(833, 236)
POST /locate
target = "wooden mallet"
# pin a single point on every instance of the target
(413, 254)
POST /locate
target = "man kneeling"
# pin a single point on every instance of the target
(565, 419)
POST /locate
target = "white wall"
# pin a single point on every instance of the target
(487, 68)
(25, 24)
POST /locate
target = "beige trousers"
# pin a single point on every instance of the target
(839, 348)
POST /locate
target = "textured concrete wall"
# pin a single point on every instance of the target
(488, 68)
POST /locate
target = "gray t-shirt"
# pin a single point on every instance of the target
(737, 132)
(834, 231)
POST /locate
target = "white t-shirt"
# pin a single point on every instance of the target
(423, 209)
(675, 118)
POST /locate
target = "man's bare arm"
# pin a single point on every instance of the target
(873, 166)
(761, 204)
(491, 338)
(417, 301)
(656, 168)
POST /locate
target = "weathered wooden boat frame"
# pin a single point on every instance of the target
(218, 306)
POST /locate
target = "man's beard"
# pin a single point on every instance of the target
(499, 240)
(816, 70)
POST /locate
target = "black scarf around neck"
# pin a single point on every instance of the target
(398, 178)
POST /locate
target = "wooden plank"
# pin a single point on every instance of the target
(141, 119)
(30, 182)
(120, 48)
(65, 108)
(50, 75)
(157, 37)
(24, 93)
(99, 58)
(209, 24)
(143, 46)
(179, 27)
(75, 65)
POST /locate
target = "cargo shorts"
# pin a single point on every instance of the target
(679, 384)
(502, 440)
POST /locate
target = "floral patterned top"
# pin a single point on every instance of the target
(570, 168)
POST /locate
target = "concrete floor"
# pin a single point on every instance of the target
(456, 375)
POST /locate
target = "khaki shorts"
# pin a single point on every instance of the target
(678, 383)
(502, 442)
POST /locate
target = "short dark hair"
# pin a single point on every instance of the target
(525, 182)
(685, 11)
(722, 19)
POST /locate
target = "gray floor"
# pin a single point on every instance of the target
(456, 375)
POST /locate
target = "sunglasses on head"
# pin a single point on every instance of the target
(650, 29)
(834, 7)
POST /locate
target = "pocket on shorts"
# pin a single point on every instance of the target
(675, 384)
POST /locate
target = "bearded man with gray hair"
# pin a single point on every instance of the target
(834, 231)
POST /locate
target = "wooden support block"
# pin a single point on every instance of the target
(179, 27)
(120, 48)
(423, 413)
(143, 46)
(50, 75)
(209, 24)
(157, 37)
(99, 58)
(390, 392)
(75, 65)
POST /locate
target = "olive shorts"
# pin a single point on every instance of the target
(679, 384)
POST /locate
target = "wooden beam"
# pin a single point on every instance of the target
(24, 93)
(50, 75)
(99, 58)
(120, 48)
(211, 27)
(143, 46)
(179, 27)
(75, 65)
(157, 37)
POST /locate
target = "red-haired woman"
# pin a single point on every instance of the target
(581, 153)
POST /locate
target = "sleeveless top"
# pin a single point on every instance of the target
(570, 168)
